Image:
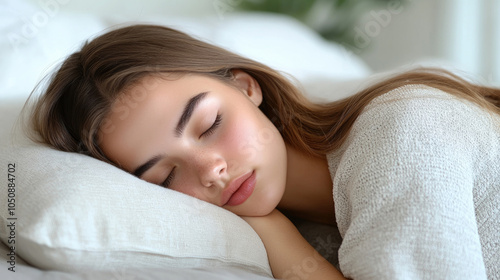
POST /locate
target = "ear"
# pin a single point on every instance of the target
(248, 85)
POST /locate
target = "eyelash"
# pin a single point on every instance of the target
(211, 130)
(169, 179)
(208, 132)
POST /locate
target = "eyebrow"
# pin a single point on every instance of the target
(188, 111)
(147, 165)
(179, 129)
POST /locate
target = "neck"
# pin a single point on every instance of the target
(308, 192)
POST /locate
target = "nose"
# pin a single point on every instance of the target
(212, 169)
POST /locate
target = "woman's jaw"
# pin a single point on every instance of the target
(224, 150)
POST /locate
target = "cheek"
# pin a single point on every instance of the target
(240, 141)
(190, 188)
(258, 140)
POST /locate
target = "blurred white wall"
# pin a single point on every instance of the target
(135, 9)
(461, 34)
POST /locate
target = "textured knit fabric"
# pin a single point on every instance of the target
(417, 189)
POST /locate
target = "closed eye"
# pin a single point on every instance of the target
(211, 129)
(218, 119)
(169, 179)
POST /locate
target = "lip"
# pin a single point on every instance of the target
(239, 190)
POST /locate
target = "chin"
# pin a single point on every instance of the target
(261, 211)
(256, 212)
(258, 205)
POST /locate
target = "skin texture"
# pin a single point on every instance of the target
(204, 163)
(143, 122)
(226, 138)
(290, 255)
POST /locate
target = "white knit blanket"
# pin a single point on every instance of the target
(417, 189)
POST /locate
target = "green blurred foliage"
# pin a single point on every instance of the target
(335, 20)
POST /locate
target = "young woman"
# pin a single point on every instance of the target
(413, 161)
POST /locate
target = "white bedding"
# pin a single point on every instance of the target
(26, 272)
(69, 203)
(64, 213)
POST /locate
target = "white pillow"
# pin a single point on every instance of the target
(41, 36)
(325, 71)
(35, 38)
(76, 213)
(24, 271)
(278, 41)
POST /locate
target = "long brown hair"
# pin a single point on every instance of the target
(74, 106)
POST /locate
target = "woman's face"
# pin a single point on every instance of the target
(202, 137)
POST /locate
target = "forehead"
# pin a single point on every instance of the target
(144, 111)
(136, 113)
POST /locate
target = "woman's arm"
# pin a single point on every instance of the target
(290, 255)
(404, 190)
